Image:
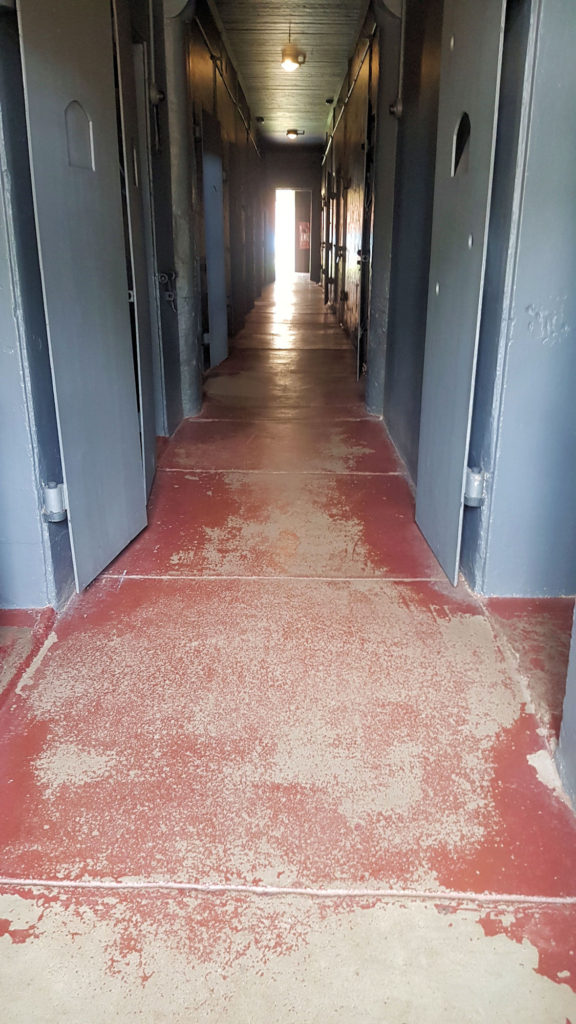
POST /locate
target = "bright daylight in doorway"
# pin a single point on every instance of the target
(284, 254)
(284, 240)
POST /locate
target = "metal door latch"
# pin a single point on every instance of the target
(55, 503)
(474, 487)
(167, 282)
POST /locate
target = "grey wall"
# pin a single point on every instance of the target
(182, 183)
(384, 205)
(299, 169)
(416, 151)
(148, 26)
(566, 753)
(35, 559)
(147, 18)
(522, 541)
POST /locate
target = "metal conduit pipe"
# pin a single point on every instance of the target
(217, 61)
(349, 93)
(397, 108)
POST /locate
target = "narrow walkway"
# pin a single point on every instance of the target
(271, 767)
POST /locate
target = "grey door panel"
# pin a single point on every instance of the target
(471, 57)
(71, 113)
(133, 183)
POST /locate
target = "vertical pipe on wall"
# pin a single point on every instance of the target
(176, 17)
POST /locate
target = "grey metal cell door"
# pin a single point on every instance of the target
(134, 178)
(71, 116)
(472, 37)
(212, 185)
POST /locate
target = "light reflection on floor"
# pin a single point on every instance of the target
(283, 311)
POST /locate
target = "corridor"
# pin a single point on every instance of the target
(270, 766)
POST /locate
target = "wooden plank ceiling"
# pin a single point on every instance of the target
(325, 30)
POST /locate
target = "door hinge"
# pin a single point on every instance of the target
(474, 486)
(55, 503)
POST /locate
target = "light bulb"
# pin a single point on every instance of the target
(291, 58)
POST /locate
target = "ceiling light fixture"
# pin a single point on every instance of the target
(292, 57)
(293, 133)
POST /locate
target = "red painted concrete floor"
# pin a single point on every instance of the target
(271, 766)
(22, 634)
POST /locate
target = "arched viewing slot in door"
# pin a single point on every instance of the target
(79, 137)
(461, 150)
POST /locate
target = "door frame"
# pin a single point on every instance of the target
(137, 244)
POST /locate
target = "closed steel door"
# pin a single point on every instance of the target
(471, 57)
(71, 113)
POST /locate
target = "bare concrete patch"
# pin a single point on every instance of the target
(547, 772)
(69, 764)
(305, 530)
(252, 961)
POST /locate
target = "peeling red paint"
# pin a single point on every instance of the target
(538, 632)
(39, 623)
(517, 853)
(20, 795)
(277, 712)
(552, 930)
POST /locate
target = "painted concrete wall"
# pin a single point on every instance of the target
(35, 559)
(566, 753)
(416, 152)
(346, 160)
(522, 541)
(384, 206)
(242, 166)
(177, 17)
(148, 26)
